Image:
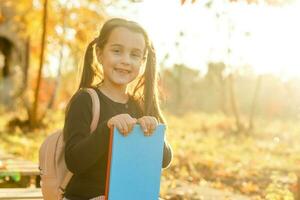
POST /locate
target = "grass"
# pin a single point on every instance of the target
(262, 164)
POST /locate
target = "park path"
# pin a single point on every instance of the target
(194, 192)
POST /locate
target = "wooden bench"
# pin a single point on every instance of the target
(10, 165)
(21, 193)
(27, 171)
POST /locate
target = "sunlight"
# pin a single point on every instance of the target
(274, 43)
(261, 36)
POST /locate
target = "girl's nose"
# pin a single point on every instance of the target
(126, 59)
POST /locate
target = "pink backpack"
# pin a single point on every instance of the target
(54, 173)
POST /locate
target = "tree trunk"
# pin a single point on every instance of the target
(22, 89)
(179, 85)
(254, 103)
(222, 84)
(233, 103)
(34, 115)
(58, 77)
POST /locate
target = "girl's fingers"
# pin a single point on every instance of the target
(124, 126)
(148, 125)
(143, 125)
(123, 122)
(121, 126)
(131, 122)
(109, 124)
(118, 125)
(153, 124)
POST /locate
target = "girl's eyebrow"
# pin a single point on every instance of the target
(137, 50)
(119, 45)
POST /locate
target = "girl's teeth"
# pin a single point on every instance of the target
(121, 70)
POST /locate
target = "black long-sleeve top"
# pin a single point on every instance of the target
(86, 153)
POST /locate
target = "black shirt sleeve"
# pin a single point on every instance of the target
(82, 147)
(167, 155)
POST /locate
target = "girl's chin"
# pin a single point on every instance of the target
(122, 82)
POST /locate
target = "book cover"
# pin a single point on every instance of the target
(135, 164)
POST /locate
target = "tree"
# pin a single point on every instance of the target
(231, 81)
(254, 103)
(215, 74)
(33, 117)
(180, 81)
(73, 20)
(62, 45)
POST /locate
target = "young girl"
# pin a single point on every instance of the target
(126, 56)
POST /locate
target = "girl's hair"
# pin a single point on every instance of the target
(145, 91)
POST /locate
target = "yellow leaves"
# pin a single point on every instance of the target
(240, 164)
(222, 173)
(2, 165)
(226, 161)
(249, 187)
(279, 188)
(2, 18)
(84, 19)
(81, 35)
(218, 185)
(276, 192)
(183, 1)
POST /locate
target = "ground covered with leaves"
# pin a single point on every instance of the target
(208, 152)
(262, 164)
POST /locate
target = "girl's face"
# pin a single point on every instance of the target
(122, 56)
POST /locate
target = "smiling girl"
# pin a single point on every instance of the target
(121, 55)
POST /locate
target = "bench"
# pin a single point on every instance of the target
(10, 165)
(28, 172)
(21, 193)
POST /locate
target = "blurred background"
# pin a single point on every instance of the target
(229, 78)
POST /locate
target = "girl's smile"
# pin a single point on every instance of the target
(122, 56)
(122, 71)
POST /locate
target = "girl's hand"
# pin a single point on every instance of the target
(148, 124)
(123, 122)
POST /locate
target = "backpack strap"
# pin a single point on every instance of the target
(94, 123)
(96, 108)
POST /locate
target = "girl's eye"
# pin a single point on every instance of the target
(116, 50)
(136, 55)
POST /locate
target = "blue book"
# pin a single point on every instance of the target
(135, 164)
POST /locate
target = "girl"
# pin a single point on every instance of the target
(126, 56)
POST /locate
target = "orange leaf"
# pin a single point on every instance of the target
(248, 187)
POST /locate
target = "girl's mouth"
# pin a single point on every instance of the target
(124, 71)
